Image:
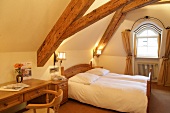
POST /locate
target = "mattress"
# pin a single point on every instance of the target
(116, 94)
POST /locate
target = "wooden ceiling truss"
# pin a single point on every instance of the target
(74, 10)
(71, 17)
(72, 21)
(118, 18)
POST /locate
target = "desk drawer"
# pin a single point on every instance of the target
(34, 93)
(11, 101)
(64, 87)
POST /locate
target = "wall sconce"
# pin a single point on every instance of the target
(97, 53)
(59, 57)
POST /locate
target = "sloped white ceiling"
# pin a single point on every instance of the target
(24, 24)
(86, 38)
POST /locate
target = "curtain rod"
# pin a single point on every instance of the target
(148, 17)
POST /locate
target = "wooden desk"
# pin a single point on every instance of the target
(9, 99)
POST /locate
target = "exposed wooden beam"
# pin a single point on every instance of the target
(71, 17)
(74, 10)
(162, 2)
(94, 16)
(117, 19)
(137, 4)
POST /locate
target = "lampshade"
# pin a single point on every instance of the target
(61, 56)
(99, 52)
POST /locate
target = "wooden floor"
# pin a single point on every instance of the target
(159, 103)
(160, 99)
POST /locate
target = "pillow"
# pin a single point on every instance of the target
(98, 71)
(84, 78)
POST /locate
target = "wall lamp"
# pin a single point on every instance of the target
(151, 18)
(97, 53)
(59, 57)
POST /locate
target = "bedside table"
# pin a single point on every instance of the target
(61, 84)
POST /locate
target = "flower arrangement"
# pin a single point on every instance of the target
(17, 67)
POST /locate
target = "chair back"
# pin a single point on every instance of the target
(55, 103)
(57, 100)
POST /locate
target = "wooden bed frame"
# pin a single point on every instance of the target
(80, 68)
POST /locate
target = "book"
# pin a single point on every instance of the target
(13, 87)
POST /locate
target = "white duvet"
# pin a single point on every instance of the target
(115, 94)
(137, 78)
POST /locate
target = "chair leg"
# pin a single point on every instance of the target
(48, 110)
(56, 108)
(34, 110)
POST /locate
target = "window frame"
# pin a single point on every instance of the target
(139, 37)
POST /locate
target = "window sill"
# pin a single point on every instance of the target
(146, 58)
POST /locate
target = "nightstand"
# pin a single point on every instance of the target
(61, 84)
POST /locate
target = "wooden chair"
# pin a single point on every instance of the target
(45, 108)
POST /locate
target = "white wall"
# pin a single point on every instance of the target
(76, 57)
(7, 61)
(115, 64)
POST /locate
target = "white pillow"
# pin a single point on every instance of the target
(84, 78)
(98, 71)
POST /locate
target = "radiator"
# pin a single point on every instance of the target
(144, 67)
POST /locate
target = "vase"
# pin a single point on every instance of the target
(19, 78)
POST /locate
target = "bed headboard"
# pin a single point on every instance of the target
(76, 69)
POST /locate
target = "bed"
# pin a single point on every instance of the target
(122, 93)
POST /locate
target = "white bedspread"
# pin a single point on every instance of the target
(137, 78)
(115, 94)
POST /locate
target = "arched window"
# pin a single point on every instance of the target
(147, 41)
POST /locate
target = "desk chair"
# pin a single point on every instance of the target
(45, 108)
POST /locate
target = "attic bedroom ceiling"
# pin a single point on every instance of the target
(24, 25)
(71, 21)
